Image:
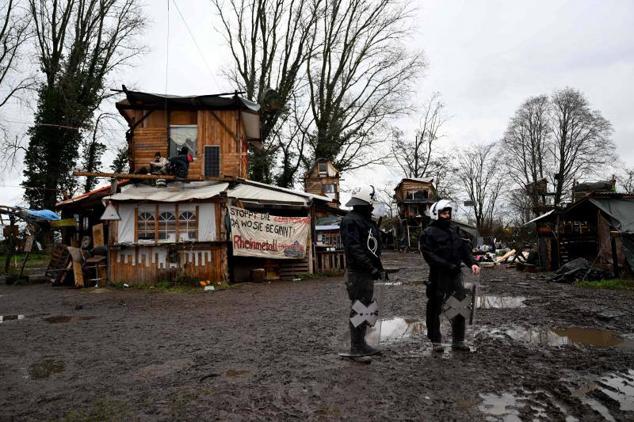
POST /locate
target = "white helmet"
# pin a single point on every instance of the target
(439, 206)
(362, 196)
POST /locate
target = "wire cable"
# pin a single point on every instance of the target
(200, 52)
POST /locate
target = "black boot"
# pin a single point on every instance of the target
(358, 346)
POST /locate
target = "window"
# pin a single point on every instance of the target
(146, 225)
(323, 169)
(187, 226)
(183, 136)
(167, 226)
(212, 161)
(329, 188)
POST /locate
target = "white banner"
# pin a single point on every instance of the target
(268, 236)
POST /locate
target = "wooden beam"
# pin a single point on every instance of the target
(125, 175)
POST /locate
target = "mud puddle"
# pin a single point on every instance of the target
(395, 329)
(524, 405)
(499, 302)
(60, 319)
(601, 394)
(593, 337)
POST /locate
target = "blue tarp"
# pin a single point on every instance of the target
(47, 215)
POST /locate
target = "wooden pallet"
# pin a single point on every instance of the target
(59, 265)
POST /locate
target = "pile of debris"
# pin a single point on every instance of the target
(579, 269)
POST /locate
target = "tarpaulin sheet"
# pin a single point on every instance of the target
(621, 212)
(47, 215)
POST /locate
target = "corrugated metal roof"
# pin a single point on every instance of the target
(258, 193)
(174, 192)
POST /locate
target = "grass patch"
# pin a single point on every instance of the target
(101, 410)
(45, 368)
(36, 260)
(180, 286)
(615, 284)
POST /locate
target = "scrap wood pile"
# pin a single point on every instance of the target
(79, 266)
(510, 257)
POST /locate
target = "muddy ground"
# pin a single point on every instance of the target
(269, 352)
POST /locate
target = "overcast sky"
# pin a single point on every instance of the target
(484, 58)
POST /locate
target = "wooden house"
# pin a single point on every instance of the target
(217, 130)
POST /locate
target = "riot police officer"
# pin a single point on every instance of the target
(361, 241)
(445, 250)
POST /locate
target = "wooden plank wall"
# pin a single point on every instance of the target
(151, 137)
(148, 265)
(410, 185)
(314, 185)
(219, 128)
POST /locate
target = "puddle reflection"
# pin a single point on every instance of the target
(562, 336)
(499, 302)
(394, 329)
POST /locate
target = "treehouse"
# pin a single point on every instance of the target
(414, 197)
(323, 179)
(216, 129)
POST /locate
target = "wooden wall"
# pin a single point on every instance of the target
(411, 185)
(150, 264)
(214, 128)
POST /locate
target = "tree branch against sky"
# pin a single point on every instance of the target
(479, 172)
(581, 140)
(360, 76)
(270, 41)
(419, 156)
(14, 34)
(526, 142)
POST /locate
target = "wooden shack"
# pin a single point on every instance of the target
(217, 130)
(599, 227)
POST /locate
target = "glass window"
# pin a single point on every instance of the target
(146, 225)
(330, 188)
(183, 135)
(187, 226)
(167, 226)
(323, 169)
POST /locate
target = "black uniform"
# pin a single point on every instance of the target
(361, 240)
(444, 250)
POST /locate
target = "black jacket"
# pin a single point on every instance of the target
(357, 232)
(444, 250)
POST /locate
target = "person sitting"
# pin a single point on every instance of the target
(159, 164)
(179, 165)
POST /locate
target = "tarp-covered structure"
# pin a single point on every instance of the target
(599, 227)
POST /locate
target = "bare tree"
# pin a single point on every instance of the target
(359, 76)
(581, 140)
(627, 180)
(418, 157)
(270, 42)
(526, 144)
(479, 172)
(14, 33)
